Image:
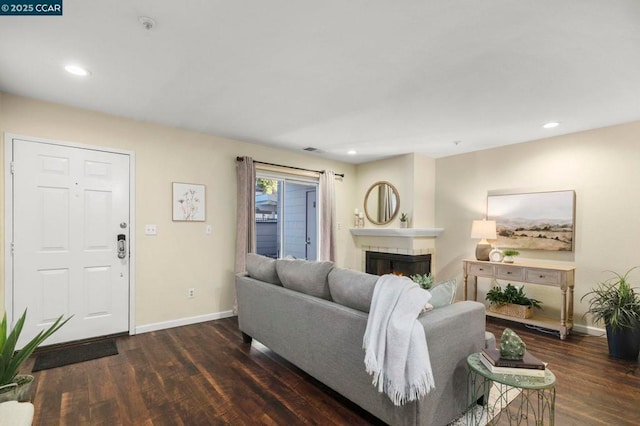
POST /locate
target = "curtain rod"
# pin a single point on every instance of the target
(289, 167)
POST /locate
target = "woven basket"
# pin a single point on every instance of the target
(519, 311)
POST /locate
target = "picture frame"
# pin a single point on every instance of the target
(534, 221)
(188, 202)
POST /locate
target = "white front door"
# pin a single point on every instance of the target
(70, 207)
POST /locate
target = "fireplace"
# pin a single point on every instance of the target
(378, 263)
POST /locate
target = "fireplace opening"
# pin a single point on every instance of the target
(378, 263)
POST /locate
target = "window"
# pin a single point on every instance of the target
(286, 216)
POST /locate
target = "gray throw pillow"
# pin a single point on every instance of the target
(442, 294)
(305, 276)
(262, 268)
(352, 288)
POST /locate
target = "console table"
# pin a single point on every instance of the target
(532, 273)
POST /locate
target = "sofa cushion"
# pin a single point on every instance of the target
(352, 288)
(262, 268)
(442, 294)
(305, 276)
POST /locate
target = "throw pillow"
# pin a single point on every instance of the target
(442, 294)
(305, 276)
(262, 268)
(352, 288)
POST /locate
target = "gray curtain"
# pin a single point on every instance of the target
(327, 189)
(246, 207)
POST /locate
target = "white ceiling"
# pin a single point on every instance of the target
(381, 77)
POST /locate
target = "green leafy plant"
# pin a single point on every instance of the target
(10, 358)
(614, 302)
(510, 252)
(511, 294)
(425, 281)
(268, 186)
(404, 217)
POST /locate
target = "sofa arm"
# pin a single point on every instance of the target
(456, 320)
(453, 332)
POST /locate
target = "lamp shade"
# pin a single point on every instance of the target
(484, 229)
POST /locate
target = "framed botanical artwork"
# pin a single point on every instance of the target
(188, 202)
(534, 221)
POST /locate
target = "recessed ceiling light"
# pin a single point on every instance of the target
(77, 70)
(146, 22)
(352, 152)
(551, 125)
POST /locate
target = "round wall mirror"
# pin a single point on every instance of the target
(381, 203)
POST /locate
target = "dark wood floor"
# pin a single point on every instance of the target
(204, 375)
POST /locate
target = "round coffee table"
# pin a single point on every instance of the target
(534, 405)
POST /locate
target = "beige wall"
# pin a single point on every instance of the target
(423, 192)
(396, 170)
(181, 256)
(602, 166)
(414, 177)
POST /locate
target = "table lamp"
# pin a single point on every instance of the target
(485, 230)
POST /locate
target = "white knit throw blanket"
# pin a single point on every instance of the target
(396, 352)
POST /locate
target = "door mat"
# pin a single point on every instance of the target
(74, 354)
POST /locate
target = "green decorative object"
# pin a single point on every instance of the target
(616, 303)
(11, 383)
(511, 345)
(425, 281)
(511, 294)
(535, 405)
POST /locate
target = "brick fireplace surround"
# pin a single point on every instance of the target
(408, 251)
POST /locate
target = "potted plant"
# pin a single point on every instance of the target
(512, 301)
(404, 220)
(14, 386)
(616, 304)
(509, 254)
(425, 281)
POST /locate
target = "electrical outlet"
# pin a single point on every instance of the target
(191, 293)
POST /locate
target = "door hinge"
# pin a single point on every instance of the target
(13, 248)
(12, 167)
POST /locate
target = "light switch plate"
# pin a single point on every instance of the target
(150, 230)
(208, 229)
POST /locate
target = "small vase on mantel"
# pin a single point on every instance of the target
(404, 220)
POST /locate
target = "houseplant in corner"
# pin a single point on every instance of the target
(616, 304)
(404, 220)
(511, 301)
(14, 386)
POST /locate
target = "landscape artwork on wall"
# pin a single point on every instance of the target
(534, 221)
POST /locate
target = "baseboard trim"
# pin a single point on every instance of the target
(589, 330)
(182, 321)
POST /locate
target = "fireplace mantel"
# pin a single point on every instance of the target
(397, 232)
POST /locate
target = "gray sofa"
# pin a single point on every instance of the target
(314, 315)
